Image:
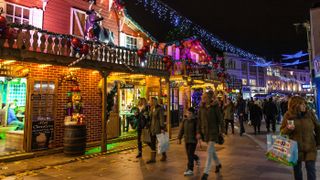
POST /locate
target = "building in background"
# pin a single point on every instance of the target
(245, 76)
(287, 80)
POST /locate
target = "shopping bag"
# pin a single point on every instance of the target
(146, 135)
(282, 150)
(163, 142)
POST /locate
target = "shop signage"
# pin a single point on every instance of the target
(306, 86)
(196, 76)
(42, 121)
(126, 86)
(42, 132)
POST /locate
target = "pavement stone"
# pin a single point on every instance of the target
(241, 158)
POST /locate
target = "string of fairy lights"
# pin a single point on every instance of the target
(166, 14)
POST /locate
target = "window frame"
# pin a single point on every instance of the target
(131, 46)
(14, 16)
(72, 14)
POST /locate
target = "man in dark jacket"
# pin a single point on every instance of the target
(271, 112)
(241, 109)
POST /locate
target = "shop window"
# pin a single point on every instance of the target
(23, 15)
(253, 82)
(78, 22)
(244, 81)
(130, 42)
(269, 71)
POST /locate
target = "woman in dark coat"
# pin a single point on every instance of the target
(256, 116)
(142, 120)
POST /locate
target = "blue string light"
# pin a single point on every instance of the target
(166, 14)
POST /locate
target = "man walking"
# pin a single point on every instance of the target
(271, 112)
(241, 108)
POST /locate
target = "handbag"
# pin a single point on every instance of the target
(220, 139)
(282, 150)
(146, 135)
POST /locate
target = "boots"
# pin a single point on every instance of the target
(152, 158)
(139, 155)
(164, 157)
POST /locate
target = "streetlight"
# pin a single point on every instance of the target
(307, 27)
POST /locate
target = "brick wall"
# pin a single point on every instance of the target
(91, 98)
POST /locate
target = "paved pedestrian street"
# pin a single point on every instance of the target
(241, 158)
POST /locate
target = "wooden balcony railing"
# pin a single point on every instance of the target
(55, 44)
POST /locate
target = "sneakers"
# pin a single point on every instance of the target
(188, 173)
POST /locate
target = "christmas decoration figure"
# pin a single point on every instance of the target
(94, 29)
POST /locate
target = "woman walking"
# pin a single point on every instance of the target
(256, 116)
(228, 115)
(142, 120)
(301, 125)
(210, 125)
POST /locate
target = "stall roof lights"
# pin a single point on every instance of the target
(44, 65)
(74, 69)
(9, 61)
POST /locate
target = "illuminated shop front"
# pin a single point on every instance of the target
(129, 89)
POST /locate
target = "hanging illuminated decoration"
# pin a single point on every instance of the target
(267, 64)
(297, 62)
(297, 55)
(167, 14)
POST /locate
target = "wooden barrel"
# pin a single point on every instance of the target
(74, 140)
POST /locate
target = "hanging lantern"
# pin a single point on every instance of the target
(145, 48)
(140, 53)
(166, 59)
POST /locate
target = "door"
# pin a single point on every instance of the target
(174, 107)
(42, 103)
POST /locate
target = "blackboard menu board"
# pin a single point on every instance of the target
(42, 132)
(42, 115)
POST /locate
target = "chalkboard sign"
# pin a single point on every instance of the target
(42, 132)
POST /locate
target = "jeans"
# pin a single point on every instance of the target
(231, 121)
(311, 170)
(211, 155)
(271, 120)
(191, 148)
(139, 140)
(241, 121)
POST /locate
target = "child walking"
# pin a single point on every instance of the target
(188, 131)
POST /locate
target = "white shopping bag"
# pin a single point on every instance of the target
(163, 142)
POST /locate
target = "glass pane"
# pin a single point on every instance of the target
(9, 19)
(18, 12)
(44, 87)
(25, 21)
(9, 9)
(37, 85)
(17, 20)
(26, 13)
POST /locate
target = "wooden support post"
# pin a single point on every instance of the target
(104, 75)
(168, 108)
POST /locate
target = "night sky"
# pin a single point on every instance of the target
(263, 27)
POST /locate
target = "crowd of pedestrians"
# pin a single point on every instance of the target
(214, 117)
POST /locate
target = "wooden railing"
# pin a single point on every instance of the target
(33, 40)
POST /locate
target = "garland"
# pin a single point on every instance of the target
(166, 14)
